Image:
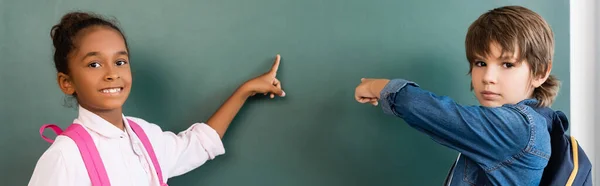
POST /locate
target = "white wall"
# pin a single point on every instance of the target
(596, 21)
(585, 86)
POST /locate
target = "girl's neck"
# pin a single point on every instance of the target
(114, 116)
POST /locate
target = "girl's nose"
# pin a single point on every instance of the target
(111, 76)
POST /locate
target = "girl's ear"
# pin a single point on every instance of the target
(538, 81)
(65, 83)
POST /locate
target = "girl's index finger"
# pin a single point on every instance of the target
(275, 65)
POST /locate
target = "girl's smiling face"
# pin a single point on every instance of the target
(99, 71)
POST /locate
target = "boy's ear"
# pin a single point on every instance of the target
(65, 83)
(538, 81)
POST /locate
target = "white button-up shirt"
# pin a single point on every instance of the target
(124, 156)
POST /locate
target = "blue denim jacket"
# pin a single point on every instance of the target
(508, 145)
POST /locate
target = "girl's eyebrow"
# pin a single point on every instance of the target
(91, 54)
(123, 52)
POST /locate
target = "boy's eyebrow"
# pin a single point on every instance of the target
(507, 57)
(478, 57)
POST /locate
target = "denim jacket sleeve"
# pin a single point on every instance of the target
(487, 135)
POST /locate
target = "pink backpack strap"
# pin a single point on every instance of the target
(87, 148)
(89, 153)
(55, 128)
(148, 146)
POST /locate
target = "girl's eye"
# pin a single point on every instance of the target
(94, 65)
(121, 62)
(508, 65)
(480, 63)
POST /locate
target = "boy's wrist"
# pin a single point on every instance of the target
(378, 86)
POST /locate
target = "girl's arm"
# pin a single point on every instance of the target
(53, 169)
(265, 83)
(191, 148)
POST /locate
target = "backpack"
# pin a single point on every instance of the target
(91, 156)
(568, 164)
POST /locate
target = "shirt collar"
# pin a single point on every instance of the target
(99, 125)
(529, 102)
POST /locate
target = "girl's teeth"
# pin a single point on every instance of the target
(112, 90)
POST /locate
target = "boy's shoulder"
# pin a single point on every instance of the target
(535, 117)
(528, 108)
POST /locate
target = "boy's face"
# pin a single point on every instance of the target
(500, 79)
(99, 69)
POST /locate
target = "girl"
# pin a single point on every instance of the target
(505, 141)
(92, 59)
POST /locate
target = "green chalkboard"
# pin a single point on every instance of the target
(188, 57)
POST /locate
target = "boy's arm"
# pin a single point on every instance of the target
(479, 132)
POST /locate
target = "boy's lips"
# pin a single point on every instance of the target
(489, 95)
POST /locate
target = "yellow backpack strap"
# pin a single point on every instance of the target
(575, 151)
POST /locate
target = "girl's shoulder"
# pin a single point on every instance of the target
(63, 148)
(142, 123)
(153, 131)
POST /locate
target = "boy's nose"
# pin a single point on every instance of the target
(490, 76)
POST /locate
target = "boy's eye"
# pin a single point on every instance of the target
(480, 63)
(94, 65)
(121, 62)
(508, 65)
